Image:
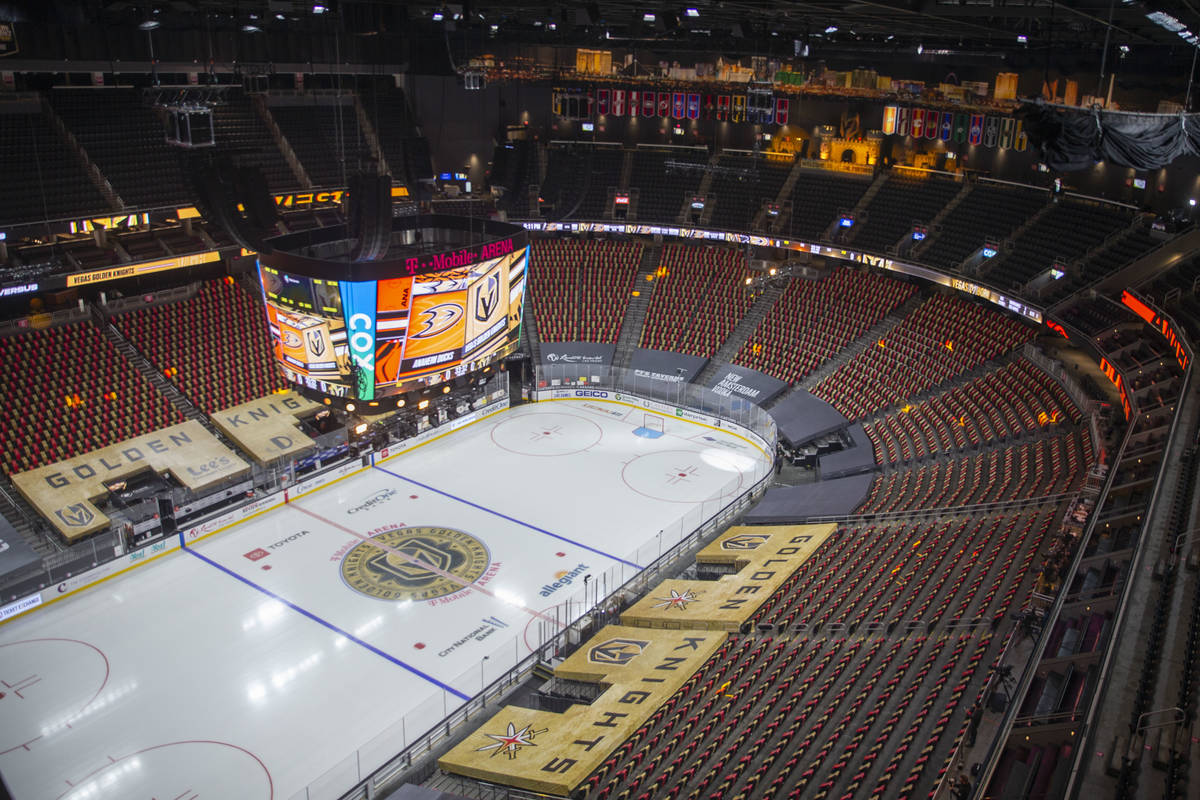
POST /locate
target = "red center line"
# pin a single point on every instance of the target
(423, 564)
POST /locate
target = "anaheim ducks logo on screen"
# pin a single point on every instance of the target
(437, 320)
(417, 563)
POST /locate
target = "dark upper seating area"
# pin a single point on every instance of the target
(241, 133)
(989, 211)
(387, 109)
(33, 156)
(514, 169)
(904, 198)
(1124, 250)
(663, 189)
(818, 197)
(736, 198)
(326, 137)
(1065, 233)
(126, 139)
(579, 179)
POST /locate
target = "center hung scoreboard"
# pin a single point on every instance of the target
(370, 330)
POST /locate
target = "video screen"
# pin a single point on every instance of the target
(371, 339)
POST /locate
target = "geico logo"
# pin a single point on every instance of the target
(587, 393)
(291, 538)
(438, 319)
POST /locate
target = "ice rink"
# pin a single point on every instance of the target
(302, 649)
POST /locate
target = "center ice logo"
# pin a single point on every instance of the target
(418, 563)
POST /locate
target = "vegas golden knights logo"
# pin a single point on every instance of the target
(419, 563)
(75, 516)
(316, 343)
(488, 298)
(745, 541)
(617, 652)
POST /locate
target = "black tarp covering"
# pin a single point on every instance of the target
(802, 417)
(787, 504)
(858, 457)
(1072, 139)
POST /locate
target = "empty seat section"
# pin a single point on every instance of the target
(699, 297)
(215, 345)
(904, 198)
(990, 211)
(579, 290)
(68, 391)
(813, 320)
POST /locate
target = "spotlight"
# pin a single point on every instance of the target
(438, 16)
(832, 29)
(350, 406)
(692, 12)
(446, 389)
(424, 404)
(648, 17)
(149, 25)
(400, 403)
(251, 29)
(360, 429)
(920, 49)
(319, 9)
(1022, 39)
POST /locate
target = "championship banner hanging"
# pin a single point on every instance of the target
(902, 118)
(976, 134)
(723, 107)
(618, 102)
(1006, 132)
(693, 106)
(678, 105)
(664, 105)
(602, 102)
(710, 107)
(961, 126)
(738, 114)
(947, 130)
(1021, 140)
(889, 120)
(918, 122)
(931, 124)
(991, 131)
(781, 110)
(649, 103)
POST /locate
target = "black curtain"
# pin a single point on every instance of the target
(1073, 139)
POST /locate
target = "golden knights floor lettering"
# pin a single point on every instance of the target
(544, 751)
(765, 557)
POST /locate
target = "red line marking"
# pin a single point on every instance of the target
(414, 561)
(259, 761)
(24, 747)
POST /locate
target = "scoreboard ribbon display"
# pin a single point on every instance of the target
(366, 339)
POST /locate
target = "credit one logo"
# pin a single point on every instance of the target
(377, 499)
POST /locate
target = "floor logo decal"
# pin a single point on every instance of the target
(511, 741)
(678, 600)
(385, 574)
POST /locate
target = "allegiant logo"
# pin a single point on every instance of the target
(565, 578)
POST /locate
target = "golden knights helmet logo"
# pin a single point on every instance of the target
(487, 297)
(617, 652)
(745, 541)
(75, 516)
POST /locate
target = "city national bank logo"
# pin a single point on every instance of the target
(511, 741)
(417, 563)
(75, 516)
(562, 578)
(377, 499)
(617, 652)
(745, 541)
